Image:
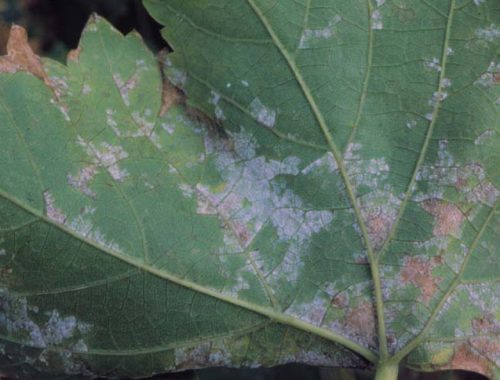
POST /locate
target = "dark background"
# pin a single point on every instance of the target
(54, 27)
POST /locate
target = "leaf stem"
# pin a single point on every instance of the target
(387, 371)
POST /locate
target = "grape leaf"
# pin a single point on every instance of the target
(403, 97)
(343, 215)
(115, 258)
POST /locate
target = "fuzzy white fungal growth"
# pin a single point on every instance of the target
(84, 227)
(445, 83)
(327, 161)
(483, 137)
(379, 207)
(86, 89)
(215, 99)
(146, 128)
(320, 33)
(169, 127)
(438, 97)
(376, 20)
(254, 196)
(263, 114)
(177, 76)
(410, 124)
(81, 181)
(107, 156)
(126, 87)
(433, 64)
(51, 210)
(488, 34)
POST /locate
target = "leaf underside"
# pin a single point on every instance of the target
(342, 208)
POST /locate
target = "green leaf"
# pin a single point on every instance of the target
(391, 109)
(117, 257)
(345, 213)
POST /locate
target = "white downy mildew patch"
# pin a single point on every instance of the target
(52, 212)
(438, 97)
(263, 114)
(253, 196)
(358, 323)
(81, 181)
(376, 17)
(111, 122)
(479, 2)
(489, 34)
(215, 99)
(3, 252)
(311, 312)
(327, 161)
(86, 89)
(107, 156)
(470, 179)
(379, 208)
(59, 85)
(125, 87)
(433, 64)
(146, 127)
(82, 225)
(64, 333)
(244, 83)
(485, 136)
(446, 83)
(482, 296)
(489, 78)
(321, 33)
(63, 108)
(177, 76)
(213, 354)
(376, 20)
(169, 127)
(410, 124)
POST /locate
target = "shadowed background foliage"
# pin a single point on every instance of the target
(54, 27)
